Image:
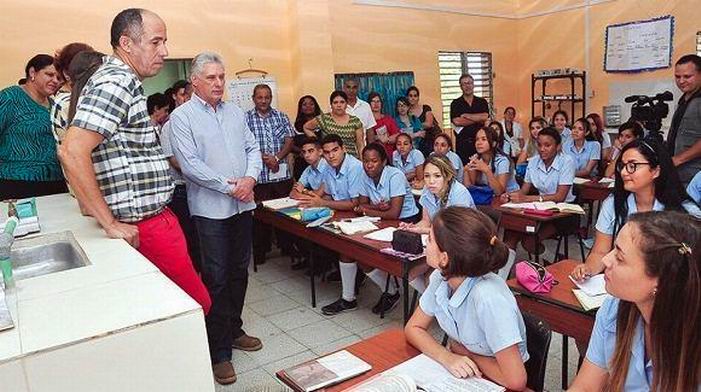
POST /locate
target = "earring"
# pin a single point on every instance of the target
(32, 79)
(654, 291)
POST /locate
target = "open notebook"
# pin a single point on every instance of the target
(547, 206)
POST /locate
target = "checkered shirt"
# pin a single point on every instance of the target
(270, 132)
(130, 167)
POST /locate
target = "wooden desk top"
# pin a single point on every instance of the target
(561, 293)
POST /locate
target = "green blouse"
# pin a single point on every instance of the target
(346, 132)
(27, 145)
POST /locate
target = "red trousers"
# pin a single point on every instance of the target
(161, 240)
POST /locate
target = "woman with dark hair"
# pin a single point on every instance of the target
(490, 166)
(386, 130)
(647, 337)
(560, 121)
(180, 92)
(598, 133)
(585, 153)
(425, 115)
(81, 68)
(470, 303)
(409, 124)
(512, 132)
(28, 162)
(530, 140)
(443, 147)
(502, 143)
(307, 109)
(62, 99)
(627, 132)
(646, 180)
(340, 123)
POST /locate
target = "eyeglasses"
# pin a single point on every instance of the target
(631, 167)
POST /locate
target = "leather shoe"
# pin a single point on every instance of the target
(247, 343)
(224, 373)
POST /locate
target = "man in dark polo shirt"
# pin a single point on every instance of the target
(684, 138)
(468, 114)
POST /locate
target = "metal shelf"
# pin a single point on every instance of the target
(576, 80)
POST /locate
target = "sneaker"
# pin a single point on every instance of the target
(247, 343)
(386, 303)
(224, 373)
(339, 306)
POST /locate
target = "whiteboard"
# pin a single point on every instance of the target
(639, 46)
(241, 91)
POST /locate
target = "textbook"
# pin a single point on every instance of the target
(325, 371)
(589, 302)
(279, 204)
(593, 286)
(547, 206)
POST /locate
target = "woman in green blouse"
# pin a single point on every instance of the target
(28, 162)
(348, 127)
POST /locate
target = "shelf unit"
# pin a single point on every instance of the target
(576, 80)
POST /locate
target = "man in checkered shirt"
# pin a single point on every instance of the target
(113, 159)
(274, 133)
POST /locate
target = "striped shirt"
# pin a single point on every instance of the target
(270, 132)
(130, 167)
(59, 115)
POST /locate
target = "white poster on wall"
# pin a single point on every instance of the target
(241, 91)
(639, 46)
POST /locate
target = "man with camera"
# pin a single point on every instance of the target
(684, 139)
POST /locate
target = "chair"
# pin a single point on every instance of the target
(538, 336)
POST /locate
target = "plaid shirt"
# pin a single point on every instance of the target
(270, 132)
(130, 167)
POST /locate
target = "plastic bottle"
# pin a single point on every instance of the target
(6, 240)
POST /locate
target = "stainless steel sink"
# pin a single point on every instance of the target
(46, 254)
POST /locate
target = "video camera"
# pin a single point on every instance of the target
(650, 111)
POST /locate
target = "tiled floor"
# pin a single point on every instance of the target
(278, 310)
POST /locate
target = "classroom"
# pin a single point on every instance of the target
(361, 195)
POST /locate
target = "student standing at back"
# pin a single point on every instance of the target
(647, 337)
(470, 303)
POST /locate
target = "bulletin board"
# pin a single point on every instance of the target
(639, 46)
(241, 91)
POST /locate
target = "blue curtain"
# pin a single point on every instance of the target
(390, 85)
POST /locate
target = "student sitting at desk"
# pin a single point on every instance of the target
(560, 122)
(312, 176)
(627, 132)
(585, 153)
(442, 147)
(409, 160)
(470, 303)
(490, 166)
(646, 338)
(385, 193)
(646, 180)
(530, 144)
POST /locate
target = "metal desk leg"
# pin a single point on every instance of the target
(405, 289)
(537, 246)
(565, 362)
(312, 272)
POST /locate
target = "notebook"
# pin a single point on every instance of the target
(279, 204)
(589, 302)
(593, 286)
(325, 371)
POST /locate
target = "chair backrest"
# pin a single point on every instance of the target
(538, 336)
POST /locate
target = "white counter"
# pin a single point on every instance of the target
(116, 324)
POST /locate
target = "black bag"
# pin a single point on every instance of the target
(407, 242)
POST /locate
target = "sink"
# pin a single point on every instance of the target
(46, 254)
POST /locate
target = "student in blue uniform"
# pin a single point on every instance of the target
(647, 337)
(442, 147)
(312, 176)
(408, 159)
(490, 166)
(560, 121)
(627, 132)
(385, 193)
(694, 188)
(646, 180)
(470, 303)
(585, 153)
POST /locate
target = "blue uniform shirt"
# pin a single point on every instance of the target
(312, 177)
(457, 196)
(694, 188)
(603, 344)
(414, 159)
(591, 150)
(546, 180)
(344, 184)
(481, 314)
(607, 214)
(502, 165)
(392, 183)
(456, 162)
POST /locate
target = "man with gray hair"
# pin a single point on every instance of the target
(112, 157)
(220, 159)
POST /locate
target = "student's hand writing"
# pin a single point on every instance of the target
(460, 366)
(581, 272)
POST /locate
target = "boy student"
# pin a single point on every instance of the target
(312, 176)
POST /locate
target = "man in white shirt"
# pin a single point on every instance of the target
(357, 107)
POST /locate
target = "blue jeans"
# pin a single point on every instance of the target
(225, 246)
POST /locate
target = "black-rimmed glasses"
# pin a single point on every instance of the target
(631, 167)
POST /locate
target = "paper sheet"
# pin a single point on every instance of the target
(593, 286)
(384, 235)
(280, 174)
(588, 302)
(279, 204)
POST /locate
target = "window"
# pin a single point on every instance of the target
(172, 71)
(454, 64)
(698, 43)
